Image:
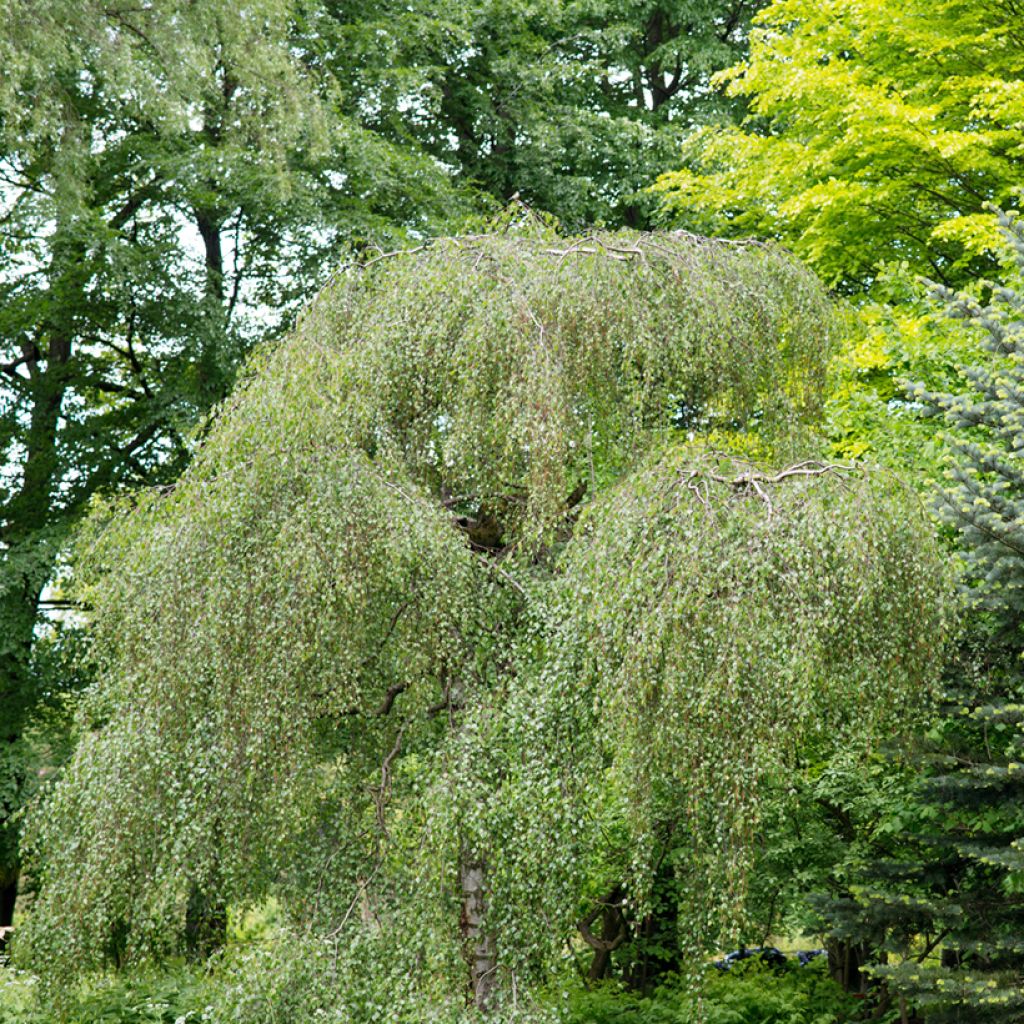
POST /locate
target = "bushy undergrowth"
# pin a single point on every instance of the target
(179, 994)
(175, 994)
(750, 994)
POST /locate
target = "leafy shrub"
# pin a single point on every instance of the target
(748, 994)
(175, 995)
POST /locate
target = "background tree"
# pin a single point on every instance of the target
(875, 136)
(576, 106)
(174, 177)
(953, 886)
(877, 133)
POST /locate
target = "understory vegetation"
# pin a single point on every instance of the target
(511, 512)
(182, 995)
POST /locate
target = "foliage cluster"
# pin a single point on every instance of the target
(747, 995)
(954, 882)
(176, 994)
(176, 177)
(877, 133)
(182, 994)
(445, 592)
(576, 106)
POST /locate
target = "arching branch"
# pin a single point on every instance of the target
(612, 901)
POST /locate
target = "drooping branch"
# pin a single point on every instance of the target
(382, 709)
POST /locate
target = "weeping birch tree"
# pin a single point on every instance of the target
(511, 560)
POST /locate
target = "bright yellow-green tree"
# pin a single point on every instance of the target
(877, 133)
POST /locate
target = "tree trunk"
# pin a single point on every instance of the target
(614, 932)
(8, 897)
(209, 224)
(478, 943)
(206, 924)
(845, 960)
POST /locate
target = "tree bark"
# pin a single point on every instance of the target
(614, 932)
(478, 943)
(209, 224)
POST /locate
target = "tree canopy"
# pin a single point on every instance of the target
(428, 594)
(461, 603)
(877, 133)
(173, 178)
(576, 106)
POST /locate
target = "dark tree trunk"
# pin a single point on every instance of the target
(614, 932)
(8, 897)
(951, 959)
(206, 924)
(209, 224)
(845, 963)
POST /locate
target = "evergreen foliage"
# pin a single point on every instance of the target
(955, 884)
(946, 908)
(454, 614)
(985, 502)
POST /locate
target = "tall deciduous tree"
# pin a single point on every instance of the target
(877, 132)
(172, 176)
(577, 105)
(444, 588)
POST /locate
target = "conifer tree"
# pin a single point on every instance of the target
(949, 906)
